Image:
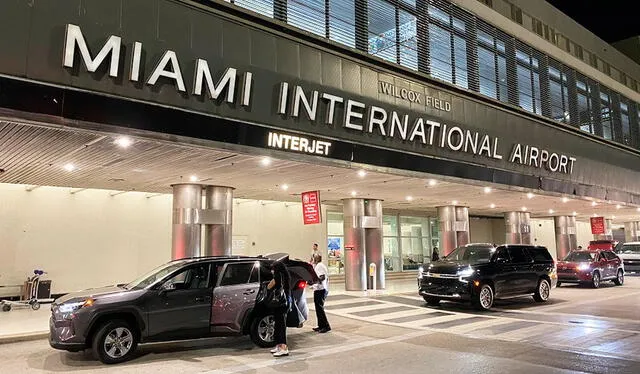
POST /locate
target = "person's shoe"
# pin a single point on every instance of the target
(316, 329)
(281, 352)
(274, 350)
(324, 330)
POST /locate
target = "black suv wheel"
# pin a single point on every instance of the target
(543, 291)
(619, 281)
(115, 342)
(483, 299)
(262, 331)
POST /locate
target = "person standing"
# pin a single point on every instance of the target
(314, 253)
(281, 280)
(320, 292)
(435, 256)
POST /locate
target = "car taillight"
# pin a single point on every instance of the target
(301, 285)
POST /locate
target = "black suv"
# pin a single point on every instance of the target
(481, 273)
(183, 299)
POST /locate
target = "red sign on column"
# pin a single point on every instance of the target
(311, 207)
(597, 225)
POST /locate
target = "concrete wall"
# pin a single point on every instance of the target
(543, 233)
(90, 238)
(486, 230)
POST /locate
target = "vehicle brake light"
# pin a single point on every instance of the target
(301, 284)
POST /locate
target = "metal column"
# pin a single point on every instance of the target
(362, 242)
(518, 227)
(186, 232)
(454, 228)
(217, 219)
(566, 238)
(373, 241)
(632, 231)
(608, 231)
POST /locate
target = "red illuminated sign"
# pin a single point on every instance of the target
(597, 225)
(311, 207)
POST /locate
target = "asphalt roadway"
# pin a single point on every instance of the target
(579, 330)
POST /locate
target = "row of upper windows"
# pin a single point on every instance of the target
(457, 48)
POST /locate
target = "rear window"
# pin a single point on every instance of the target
(540, 254)
(629, 249)
(581, 256)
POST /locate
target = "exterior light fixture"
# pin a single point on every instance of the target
(454, 202)
(551, 211)
(69, 167)
(193, 178)
(353, 193)
(593, 203)
(285, 187)
(362, 173)
(530, 195)
(432, 182)
(524, 208)
(266, 161)
(564, 199)
(487, 190)
(123, 141)
(409, 198)
(492, 206)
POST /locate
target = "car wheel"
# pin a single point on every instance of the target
(430, 300)
(263, 331)
(6, 308)
(35, 306)
(558, 284)
(595, 280)
(483, 299)
(543, 291)
(619, 281)
(114, 342)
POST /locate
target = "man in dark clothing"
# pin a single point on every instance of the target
(435, 256)
(320, 291)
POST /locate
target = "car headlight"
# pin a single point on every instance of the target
(420, 272)
(583, 267)
(68, 309)
(466, 272)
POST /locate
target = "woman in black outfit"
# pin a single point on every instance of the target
(281, 279)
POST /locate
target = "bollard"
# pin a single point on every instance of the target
(372, 273)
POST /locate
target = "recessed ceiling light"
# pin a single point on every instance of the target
(193, 178)
(266, 161)
(530, 195)
(618, 206)
(409, 198)
(124, 141)
(574, 213)
(487, 189)
(550, 211)
(492, 206)
(638, 209)
(353, 193)
(285, 187)
(69, 167)
(454, 202)
(593, 203)
(524, 208)
(565, 199)
(613, 217)
(362, 173)
(432, 182)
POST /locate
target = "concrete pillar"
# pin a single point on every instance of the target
(518, 227)
(632, 231)
(362, 242)
(186, 232)
(217, 219)
(454, 228)
(373, 241)
(566, 238)
(608, 231)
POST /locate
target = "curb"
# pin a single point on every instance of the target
(23, 337)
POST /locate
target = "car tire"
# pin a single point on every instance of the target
(595, 280)
(262, 331)
(619, 281)
(484, 298)
(115, 342)
(35, 305)
(543, 291)
(6, 308)
(432, 301)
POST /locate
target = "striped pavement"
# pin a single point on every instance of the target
(571, 332)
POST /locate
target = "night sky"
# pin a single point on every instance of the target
(611, 20)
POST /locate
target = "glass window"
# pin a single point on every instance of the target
(584, 107)
(408, 40)
(558, 94)
(539, 254)
(264, 7)
(492, 65)
(335, 242)
(414, 232)
(460, 56)
(519, 255)
(625, 123)
(390, 243)
(472, 254)
(240, 273)
(342, 22)
(627, 249)
(447, 47)
(308, 15)
(487, 72)
(605, 115)
(194, 277)
(382, 30)
(528, 82)
(440, 53)
(582, 256)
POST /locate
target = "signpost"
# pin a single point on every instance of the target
(311, 212)
(597, 226)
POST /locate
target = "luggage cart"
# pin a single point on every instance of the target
(32, 302)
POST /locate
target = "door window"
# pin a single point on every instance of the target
(502, 256)
(519, 255)
(239, 273)
(191, 278)
(610, 256)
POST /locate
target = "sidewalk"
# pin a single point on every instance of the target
(26, 324)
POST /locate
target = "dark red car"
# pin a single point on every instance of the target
(591, 267)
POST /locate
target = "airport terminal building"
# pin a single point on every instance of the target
(132, 133)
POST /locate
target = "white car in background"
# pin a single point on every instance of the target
(630, 255)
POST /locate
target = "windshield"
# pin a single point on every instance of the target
(471, 254)
(629, 249)
(580, 257)
(155, 274)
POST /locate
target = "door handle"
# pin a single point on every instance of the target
(249, 292)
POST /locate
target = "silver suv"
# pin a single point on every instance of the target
(183, 299)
